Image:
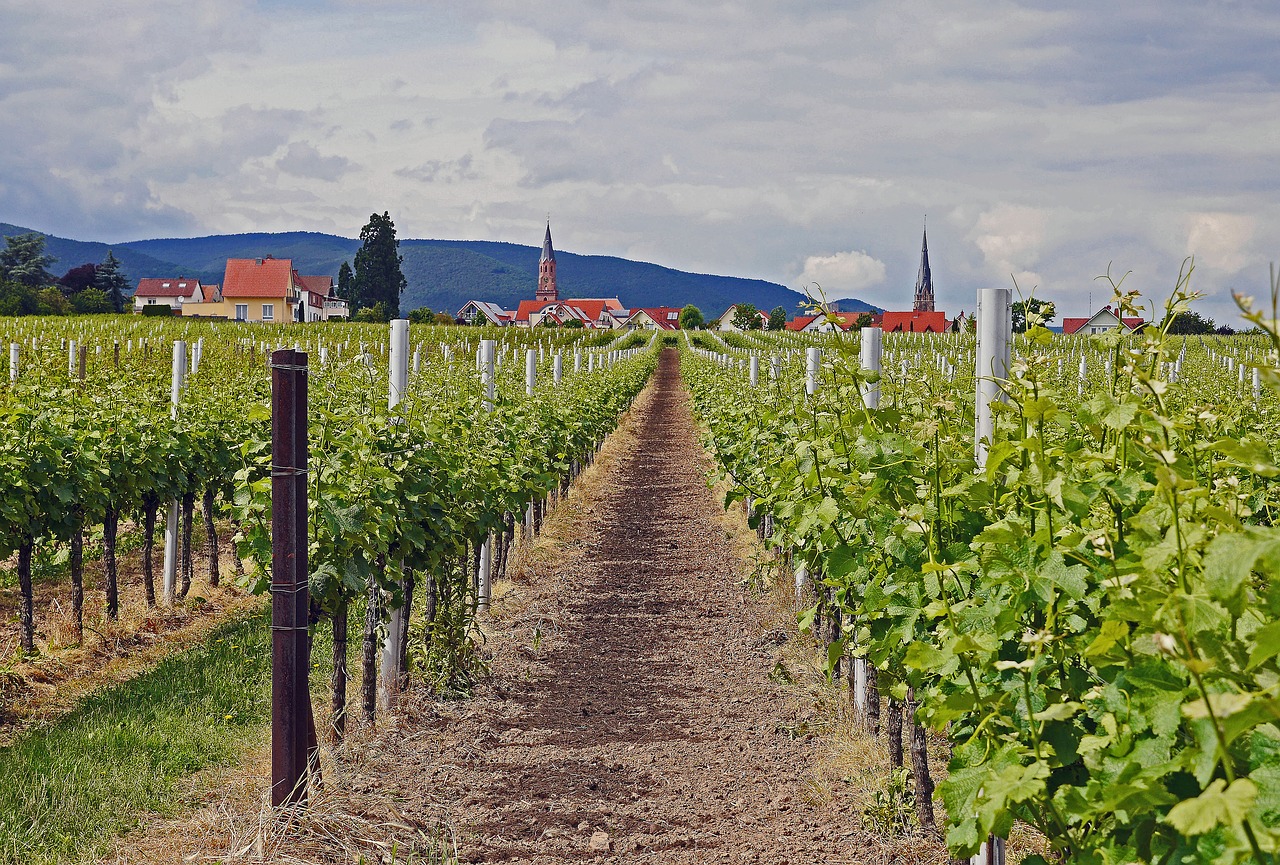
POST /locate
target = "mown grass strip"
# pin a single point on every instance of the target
(68, 789)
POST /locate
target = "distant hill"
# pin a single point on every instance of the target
(441, 274)
(73, 253)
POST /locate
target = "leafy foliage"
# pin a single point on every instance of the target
(691, 317)
(1090, 616)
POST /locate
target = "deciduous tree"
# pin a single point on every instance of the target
(777, 318)
(746, 317)
(1043, 311)
(691, 318)
(77, 279)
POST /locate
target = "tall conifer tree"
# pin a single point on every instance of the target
(378, 276)
(110, 281)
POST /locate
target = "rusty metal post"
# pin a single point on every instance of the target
(290, 601)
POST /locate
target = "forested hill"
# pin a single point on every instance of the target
(442, 274)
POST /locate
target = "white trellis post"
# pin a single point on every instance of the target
(813, 360)
(172, 520)
(995, 329)
(15, 351)
(397, 386)
(530, 371)
(754, 371)
(487, 347)
(557, 368)
(871, 352)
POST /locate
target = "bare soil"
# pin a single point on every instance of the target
(648, 729)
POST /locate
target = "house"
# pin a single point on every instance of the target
(655, 318)
(725, 321)
(1102, 321)
(593, 312)
(271, 290)
(921, 321)
(829, 322)
(175, 293)
(321, 301)
(483, 312)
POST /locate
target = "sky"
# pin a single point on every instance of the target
(801, 141)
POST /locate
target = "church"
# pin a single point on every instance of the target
(547, 307)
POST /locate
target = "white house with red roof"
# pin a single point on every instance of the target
(655, 318)
(483, 312)
(270, 290)
(1102, 321)
(171, 292)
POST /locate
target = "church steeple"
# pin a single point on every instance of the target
(924, 280)
(547, 290)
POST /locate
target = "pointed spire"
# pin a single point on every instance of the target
(548, 254)
(924, 279)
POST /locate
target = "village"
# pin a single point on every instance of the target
(271, 290)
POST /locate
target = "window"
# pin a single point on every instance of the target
(268, 312)
(672, 316)
(151, 300)
(242, 311)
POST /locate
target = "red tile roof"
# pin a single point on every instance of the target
(586, 309)
(166, 287)
(321, 285)
(800, 322)
(665, 317)
(259, 277)
(915, 322)
(1071, 325)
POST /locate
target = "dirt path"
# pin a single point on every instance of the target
(648, 729)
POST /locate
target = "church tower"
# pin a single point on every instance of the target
(547, 271)
(924, 280)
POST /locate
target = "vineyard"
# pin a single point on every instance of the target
(134, 424)
(1047, 571)
(1081, 602)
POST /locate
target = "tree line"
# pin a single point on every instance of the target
(27, 287)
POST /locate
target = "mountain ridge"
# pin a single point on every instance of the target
(441, 274)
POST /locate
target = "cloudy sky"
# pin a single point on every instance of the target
(801, 141)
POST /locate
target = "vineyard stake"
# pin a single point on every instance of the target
(397, 385)
(754, 371)
(530, 371)
(870, 354)
(813, 358)
(14, 352)
(557, 368)
(290, 597)
(995, 325)
(172, 519)
(486, 549)
(995, 329)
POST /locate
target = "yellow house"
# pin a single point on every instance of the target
(256, 289)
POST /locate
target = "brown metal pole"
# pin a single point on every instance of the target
(290, 602)
(84, 355)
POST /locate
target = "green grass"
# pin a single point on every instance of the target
(66, 790)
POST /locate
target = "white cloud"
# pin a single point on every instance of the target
(1219, 240)
(728, 138)
(843, 274)
(1010, 238)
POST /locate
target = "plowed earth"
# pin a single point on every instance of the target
(648, 729)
